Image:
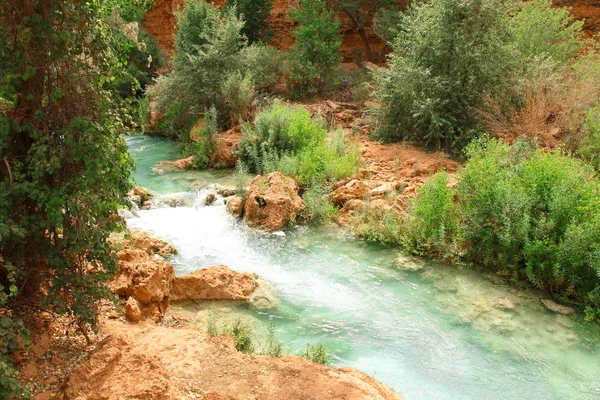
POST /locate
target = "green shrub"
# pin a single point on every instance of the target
(208, 46)
(540, 31)
(315, 56)
(319, 209)
(274, 346)
(242, 335)
(533, 215)
(385, 227)
(254, 13)
(448, 55)
(316, 354)
(432, 218)
(286, 139)
(266, 64)
(204, 144)
(278, 130)
(238, 93)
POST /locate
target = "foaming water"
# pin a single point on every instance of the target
(429, 331)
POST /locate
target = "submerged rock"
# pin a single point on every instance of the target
(557, 308)
(272, 202)
(184, 163)
(213, 283)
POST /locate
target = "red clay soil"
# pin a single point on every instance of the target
(146, 361)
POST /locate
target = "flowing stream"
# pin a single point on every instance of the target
(428, 330)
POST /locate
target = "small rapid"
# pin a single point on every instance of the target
(428, 330)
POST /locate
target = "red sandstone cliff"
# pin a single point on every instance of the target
(160, 21)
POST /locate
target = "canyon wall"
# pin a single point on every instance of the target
(160, 22)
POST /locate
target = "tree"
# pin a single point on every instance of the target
(209, 48)
(315, 57)
(362, 13)
(255, 14)
(64, 168)
(448, 56)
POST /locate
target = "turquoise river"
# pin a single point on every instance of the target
(428, 330)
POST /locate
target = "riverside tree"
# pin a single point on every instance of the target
(255, 14)
(64, 167)
(315, 57)
(447, 57)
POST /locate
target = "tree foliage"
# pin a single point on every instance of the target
(64, 170)
(449, 54)
(208, 49)
(254, 13)
(315, 57)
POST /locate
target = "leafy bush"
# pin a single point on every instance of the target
(208, 46)
(242, 335)
(286, 139)
(274, 346)
(432, 220)
(541, 31)
(523, 212)
(319, 209)
(65, 169)
(278, 130)
(385, 227)
(447, 56)
(254, 13)
(238, 93)
(203, 143)
(559, 83)
(315, 56)
(266, 64)
(316, 354)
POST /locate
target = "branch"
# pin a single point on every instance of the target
(10, 178)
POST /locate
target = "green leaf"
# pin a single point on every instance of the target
(57, 94)
(29, 72)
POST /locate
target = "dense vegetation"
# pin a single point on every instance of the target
(287, 139)
(65, 167)
(460, 68)
(526, 213)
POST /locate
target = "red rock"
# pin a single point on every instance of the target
(272, 201)
(213, 283)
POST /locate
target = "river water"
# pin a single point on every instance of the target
(430, 331)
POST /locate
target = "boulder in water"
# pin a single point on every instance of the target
(184, 163)
(272, 202)
(235, 205)
(213, 283)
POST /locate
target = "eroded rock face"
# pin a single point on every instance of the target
(146, 361)
(213, 283)
(152, 245)
(272, 201)
(352, 190)
(146, 279)
(116, 371)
